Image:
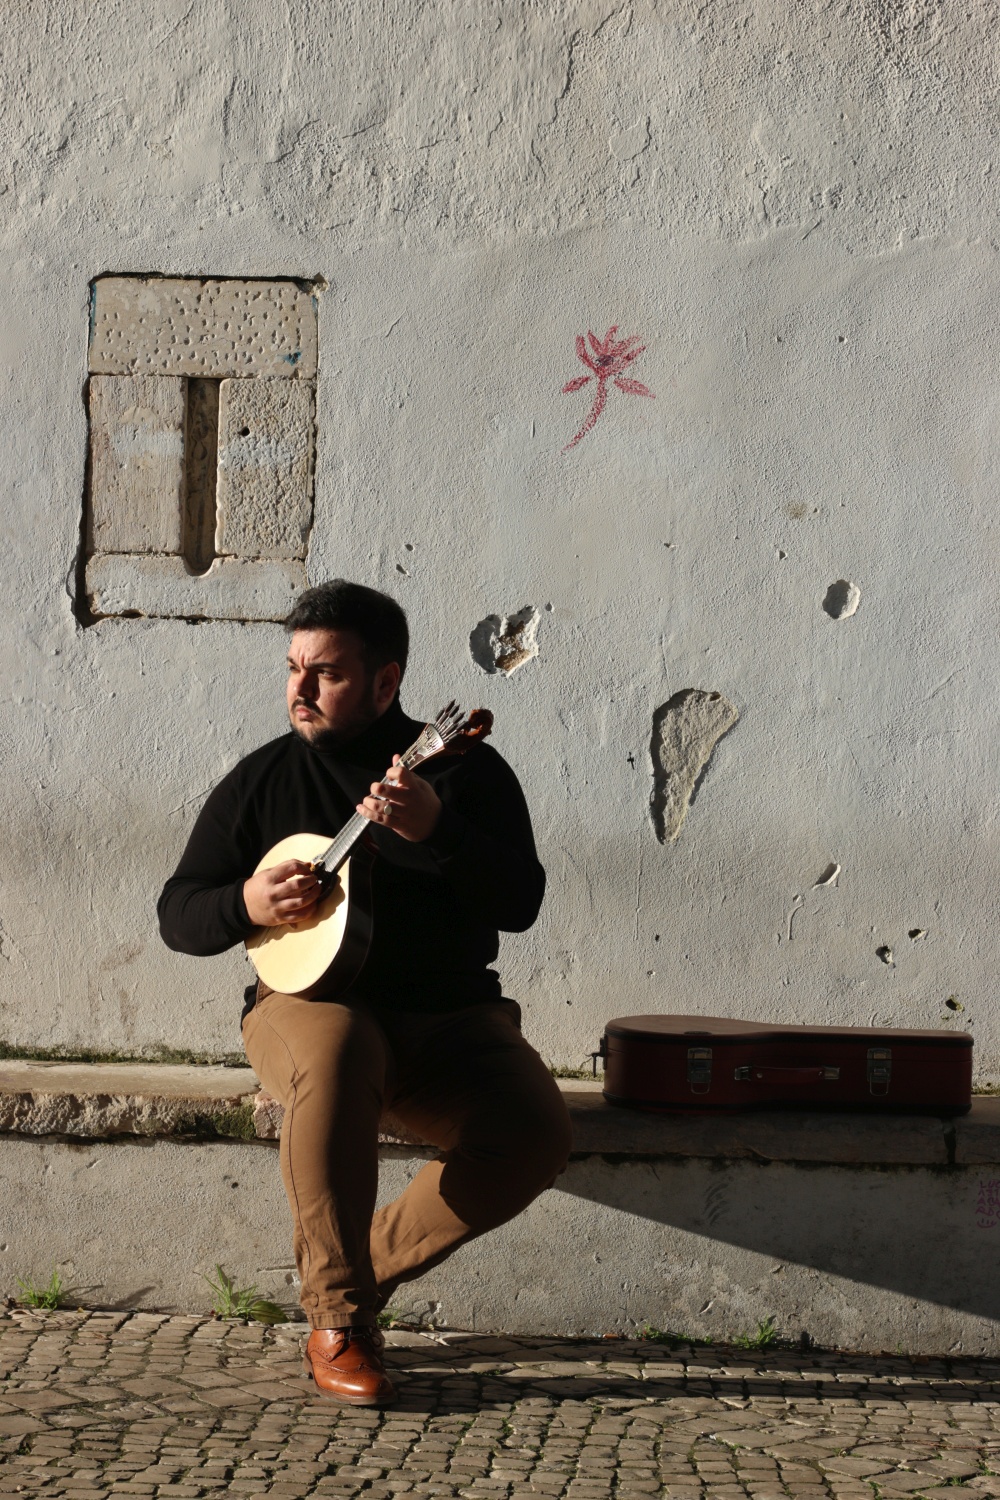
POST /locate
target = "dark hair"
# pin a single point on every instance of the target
(374, 618)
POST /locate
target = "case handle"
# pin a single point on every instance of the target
(748, 1074)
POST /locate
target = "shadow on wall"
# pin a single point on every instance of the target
(917, 1231)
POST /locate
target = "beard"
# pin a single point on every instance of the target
(321, 736)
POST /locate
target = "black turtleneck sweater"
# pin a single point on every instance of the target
(437, 905)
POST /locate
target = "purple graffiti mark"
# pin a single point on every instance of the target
(606, 359)
(988, 1203)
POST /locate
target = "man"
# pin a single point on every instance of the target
(424, 1030)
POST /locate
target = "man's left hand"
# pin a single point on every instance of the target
(403, 802)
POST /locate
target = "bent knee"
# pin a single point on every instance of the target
(535, 1142)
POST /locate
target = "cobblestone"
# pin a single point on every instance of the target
(101, 1404)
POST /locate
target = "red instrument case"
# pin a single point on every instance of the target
(674, 1063)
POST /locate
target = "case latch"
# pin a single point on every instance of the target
(879, 1069)
(700, 1069)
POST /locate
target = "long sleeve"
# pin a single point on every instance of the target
(201, 908)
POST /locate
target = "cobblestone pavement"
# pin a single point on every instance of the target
(101, 1404)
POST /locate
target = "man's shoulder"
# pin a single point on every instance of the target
(479, 763)
(262, 762)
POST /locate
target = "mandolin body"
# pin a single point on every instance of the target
(320, 958)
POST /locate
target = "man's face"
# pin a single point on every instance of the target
(331, 697)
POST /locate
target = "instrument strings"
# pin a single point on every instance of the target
(445, 727)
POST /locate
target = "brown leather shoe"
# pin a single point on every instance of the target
(346, 1364)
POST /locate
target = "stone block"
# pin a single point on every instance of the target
(163, 587)
(214, 329)
(977, 1134)
(98, 1100)
(264, 488)
(136, 463)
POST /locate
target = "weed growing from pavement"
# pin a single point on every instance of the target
(765, 1335)
(651, 1335)
(45, 1298)
(231, 1301)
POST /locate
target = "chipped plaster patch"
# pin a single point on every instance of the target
(686, 730)
(841, 599)
(504, 644)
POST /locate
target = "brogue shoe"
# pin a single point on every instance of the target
(346, 1364)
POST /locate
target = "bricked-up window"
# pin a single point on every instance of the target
(202, 409)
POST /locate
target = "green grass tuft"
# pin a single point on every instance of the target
(46, 1298)
(231, 1301)
(651, 1335)
(765, 1335)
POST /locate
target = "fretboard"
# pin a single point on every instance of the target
(333, 857)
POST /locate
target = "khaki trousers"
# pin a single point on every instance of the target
(466, 1081)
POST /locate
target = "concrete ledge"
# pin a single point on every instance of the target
(774, 1135)
(977, 1134)
(98, 1101)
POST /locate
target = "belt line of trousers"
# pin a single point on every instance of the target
(466, 1081)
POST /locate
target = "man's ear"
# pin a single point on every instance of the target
(386, 684)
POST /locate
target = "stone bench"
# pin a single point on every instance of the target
(856, 1230)
(101, 1101)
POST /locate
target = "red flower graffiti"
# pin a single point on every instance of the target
(605, 360)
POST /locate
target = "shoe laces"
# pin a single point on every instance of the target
(365, 1333)
(361, 1333)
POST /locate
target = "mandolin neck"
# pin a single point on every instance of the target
(333, 857)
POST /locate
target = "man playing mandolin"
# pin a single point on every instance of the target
(414, 1020)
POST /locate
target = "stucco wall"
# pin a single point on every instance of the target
(704, 1248)
(793, 206)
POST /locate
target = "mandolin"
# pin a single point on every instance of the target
(323, 955)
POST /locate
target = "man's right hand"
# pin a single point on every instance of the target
(282, 895)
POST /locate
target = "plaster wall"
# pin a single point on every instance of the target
(793, 207)
(708, 1249)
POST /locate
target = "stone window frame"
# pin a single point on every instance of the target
(199, 489)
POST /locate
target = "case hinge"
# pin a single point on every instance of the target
(700, 1069)
(879, 1069)
(602, 1053)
